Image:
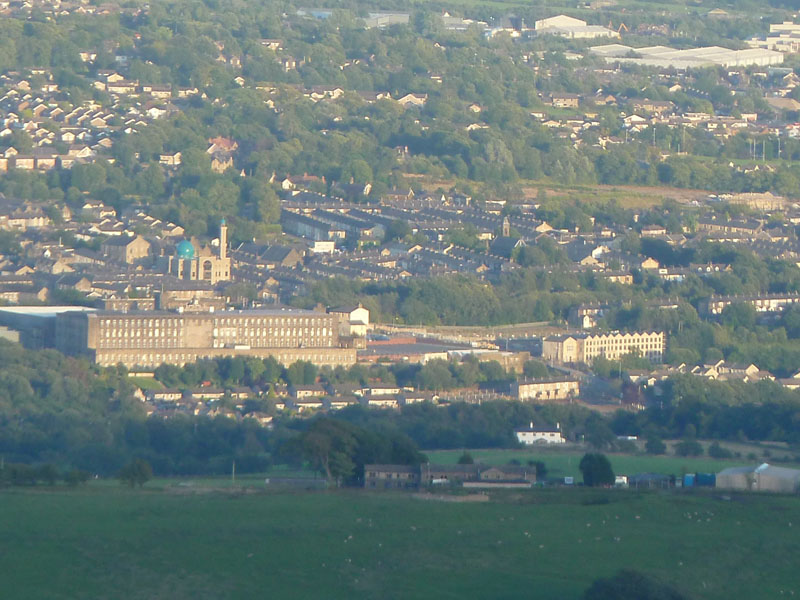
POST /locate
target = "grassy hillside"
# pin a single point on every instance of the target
(104, 542)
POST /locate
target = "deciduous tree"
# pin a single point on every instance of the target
(137, 472)
(596, 470)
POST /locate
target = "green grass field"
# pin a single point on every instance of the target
(146, 383)
(189, 484)
(105, 542)
(564, 463)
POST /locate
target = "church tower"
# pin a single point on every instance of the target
(506, 227)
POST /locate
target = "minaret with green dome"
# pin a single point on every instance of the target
(201, 263)
(223, 239)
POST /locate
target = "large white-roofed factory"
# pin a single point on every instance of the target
(666, 57)
(569, 27)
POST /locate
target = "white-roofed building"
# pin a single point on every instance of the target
(558, 21)
(569, 27)
(666, 57)
(761, 478)
(782, 37)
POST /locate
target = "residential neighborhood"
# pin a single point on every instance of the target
(457, 300)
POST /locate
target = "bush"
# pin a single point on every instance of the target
(654, 445)
(626, 446)
(47, 473)
(135, 473)
(18, 474)
(689, 448)
(631, 585)
(717, 451)
(76, 477)
(541, 469)
(466, 459)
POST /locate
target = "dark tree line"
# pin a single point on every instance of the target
(66, 413)
(339, 450)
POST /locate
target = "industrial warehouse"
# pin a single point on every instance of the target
(147, 339)
(666, 57)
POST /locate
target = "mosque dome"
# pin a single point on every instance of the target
(185, 250)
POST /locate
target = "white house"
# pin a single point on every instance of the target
(633, 120)
(539, 435)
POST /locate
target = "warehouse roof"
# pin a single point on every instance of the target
(662, 56)
(763, 469)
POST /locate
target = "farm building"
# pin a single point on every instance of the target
(469, 476)
(762, 478)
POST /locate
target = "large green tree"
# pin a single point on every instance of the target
(137, 472)
(339, 450)
(596, 470)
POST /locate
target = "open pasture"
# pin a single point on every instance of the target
(104, 542)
